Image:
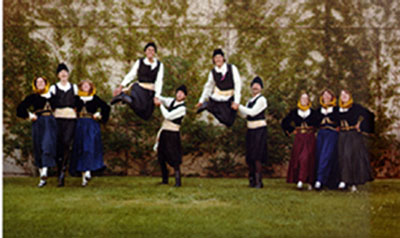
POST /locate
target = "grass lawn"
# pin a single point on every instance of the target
(203, 207)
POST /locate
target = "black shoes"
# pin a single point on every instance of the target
(164, 181)
(252, 181)
(121, 97)
(61, 179)
(202, 107)
(178, 178)
(259, 183)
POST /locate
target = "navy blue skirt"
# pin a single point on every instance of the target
(87, 152)
(44, 134)
(327, 162)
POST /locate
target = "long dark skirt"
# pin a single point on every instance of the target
(353, 158)
(256, 145)
(169, 148)
(44, 134)
(142, 101)
(302, 162)
(327, 162)
(222, 111)
(65, 137)
(88, 149)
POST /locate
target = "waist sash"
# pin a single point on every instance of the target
(65, 112)
(168, 126)
(226, 93)
(304, 129)
(148, 86)
(43, 113)
(256, 124)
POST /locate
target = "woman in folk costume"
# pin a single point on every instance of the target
(302, 162)
(256, 137)
(44, 126)
(64, 94)
(328, 119)
(168, 144)
(353, 155)
(88, 148)
(143, 95)
(222, 90)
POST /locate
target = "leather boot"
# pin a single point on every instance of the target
(164, 180)
(121, 97)
(178, 178)
(252, 181)
(259, 183)
(164, 172)
(202, 107)
(61, 178)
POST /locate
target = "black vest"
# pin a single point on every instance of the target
(228, 82)
(64, 99)
(145, 74)
(171, 108)
(259, 116)
(331, 119)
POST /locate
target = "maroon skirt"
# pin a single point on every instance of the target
(302, 162)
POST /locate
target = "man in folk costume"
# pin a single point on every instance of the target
(63, 94)
(143, 95)
(168, 144)
(44, 126)
(222, 90)
(256, 137)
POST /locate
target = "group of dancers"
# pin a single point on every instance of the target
(338, 158)
(66, 129)
(65, 125)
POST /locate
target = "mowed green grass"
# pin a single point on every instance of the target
(203, 207)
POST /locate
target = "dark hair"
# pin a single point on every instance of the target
(61, 67)
(257, 80)
(182, 88)
(152, 44)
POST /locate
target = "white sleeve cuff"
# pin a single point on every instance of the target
(97, 115)
(31, 115)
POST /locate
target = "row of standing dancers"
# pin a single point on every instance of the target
(66, 127)
(338, 158)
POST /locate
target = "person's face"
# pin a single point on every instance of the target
(63, 75)
(218, 60)
(256, 88)
(326, 97)
(40, 83)
(180, 96)
(85, 87)
(150, 52)
(304, 100)
(345, 97)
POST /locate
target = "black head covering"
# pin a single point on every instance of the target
(257, 80)
(151, 44)
(218, 52)
(182, 88)
(61, 67)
